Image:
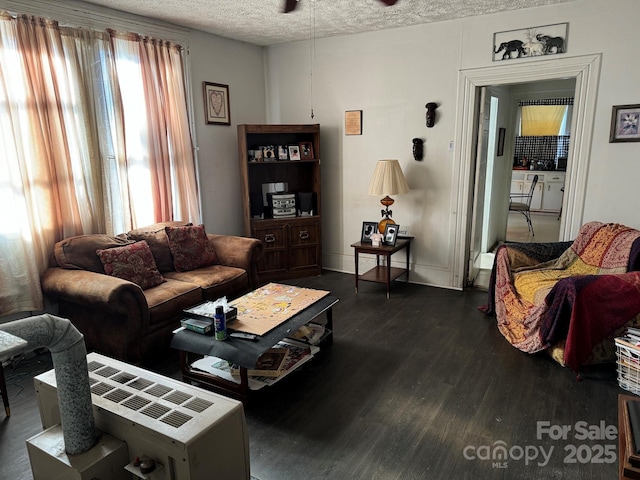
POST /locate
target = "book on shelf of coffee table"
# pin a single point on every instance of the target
(269, 364)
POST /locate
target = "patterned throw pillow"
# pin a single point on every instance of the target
(132, 262)
(190, 248)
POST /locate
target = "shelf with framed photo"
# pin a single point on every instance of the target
(292, 238)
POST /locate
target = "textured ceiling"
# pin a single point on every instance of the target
(262, 22)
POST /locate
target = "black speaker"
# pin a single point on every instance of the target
(256, 205)
(306, 203)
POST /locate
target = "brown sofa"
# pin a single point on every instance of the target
(120, 319)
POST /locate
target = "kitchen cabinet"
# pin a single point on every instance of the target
(548, 193)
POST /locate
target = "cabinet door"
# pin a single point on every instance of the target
(273, 237)
(304, 243)
(517, 187)
(552, 199)
(536, 200)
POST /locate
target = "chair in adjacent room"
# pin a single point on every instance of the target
(522, 203)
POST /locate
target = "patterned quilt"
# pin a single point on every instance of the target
(582, 296)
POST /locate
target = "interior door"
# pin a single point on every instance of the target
(482, 141)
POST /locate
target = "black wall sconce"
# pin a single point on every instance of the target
(418, 154)
(431, 113)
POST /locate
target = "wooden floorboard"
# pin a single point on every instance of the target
(409, 383)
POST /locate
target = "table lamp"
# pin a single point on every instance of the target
(388, 179)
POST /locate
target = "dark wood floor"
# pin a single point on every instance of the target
(419, 386)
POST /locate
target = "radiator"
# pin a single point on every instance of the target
(192, 434)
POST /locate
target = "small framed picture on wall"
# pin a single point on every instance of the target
(216, 103)
(625, 123)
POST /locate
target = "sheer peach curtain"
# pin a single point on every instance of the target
(153, 71)
(67, 165)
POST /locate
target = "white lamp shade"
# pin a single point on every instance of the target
(388, 179)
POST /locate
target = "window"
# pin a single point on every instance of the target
(95, 138)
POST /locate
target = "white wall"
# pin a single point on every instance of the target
(239, 65)
(391, 75)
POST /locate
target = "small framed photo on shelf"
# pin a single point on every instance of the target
(294, 152)
(268, 153)
(625, 123)
(391, 234)
(283, 152)
(368, 229)
(306, 150)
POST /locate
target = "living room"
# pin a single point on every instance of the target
(390, 75)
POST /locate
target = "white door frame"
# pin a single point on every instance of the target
(586, 70)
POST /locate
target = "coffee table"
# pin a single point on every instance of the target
(244, 353)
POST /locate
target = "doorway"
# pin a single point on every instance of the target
(585, 70)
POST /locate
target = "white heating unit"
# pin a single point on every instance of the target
(190, 433)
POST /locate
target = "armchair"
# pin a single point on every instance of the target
(569, 298)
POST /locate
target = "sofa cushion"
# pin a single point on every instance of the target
(132, 262)
(156, 237)
(167, 301)
(79, 252)
(215, 280)
(190, 248)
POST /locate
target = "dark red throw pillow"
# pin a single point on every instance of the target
(190, 248)
(132, 262)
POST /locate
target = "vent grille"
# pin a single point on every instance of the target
(155, 410)
(92, 366)
(198, 405)
(136, 402)
(101, 388)
(151, 398)
(107, 372)
(158, 390)
(140, 383)
(117, 395)
(123, 377)
(176, 419)
(177, 397)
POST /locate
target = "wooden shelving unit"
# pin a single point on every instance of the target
(293, 246)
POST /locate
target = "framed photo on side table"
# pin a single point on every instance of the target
(625, 123)
(391, 234)
(368, 229)
(216, 103)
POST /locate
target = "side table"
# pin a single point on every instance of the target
(383, 273)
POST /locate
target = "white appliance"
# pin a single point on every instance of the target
(190, 433)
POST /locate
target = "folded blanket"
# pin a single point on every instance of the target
(539, 303)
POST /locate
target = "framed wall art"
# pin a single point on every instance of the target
(530, 42)
(353, 122)
(216, 104)
(624, 123)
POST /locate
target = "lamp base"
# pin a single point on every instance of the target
(382, 224)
